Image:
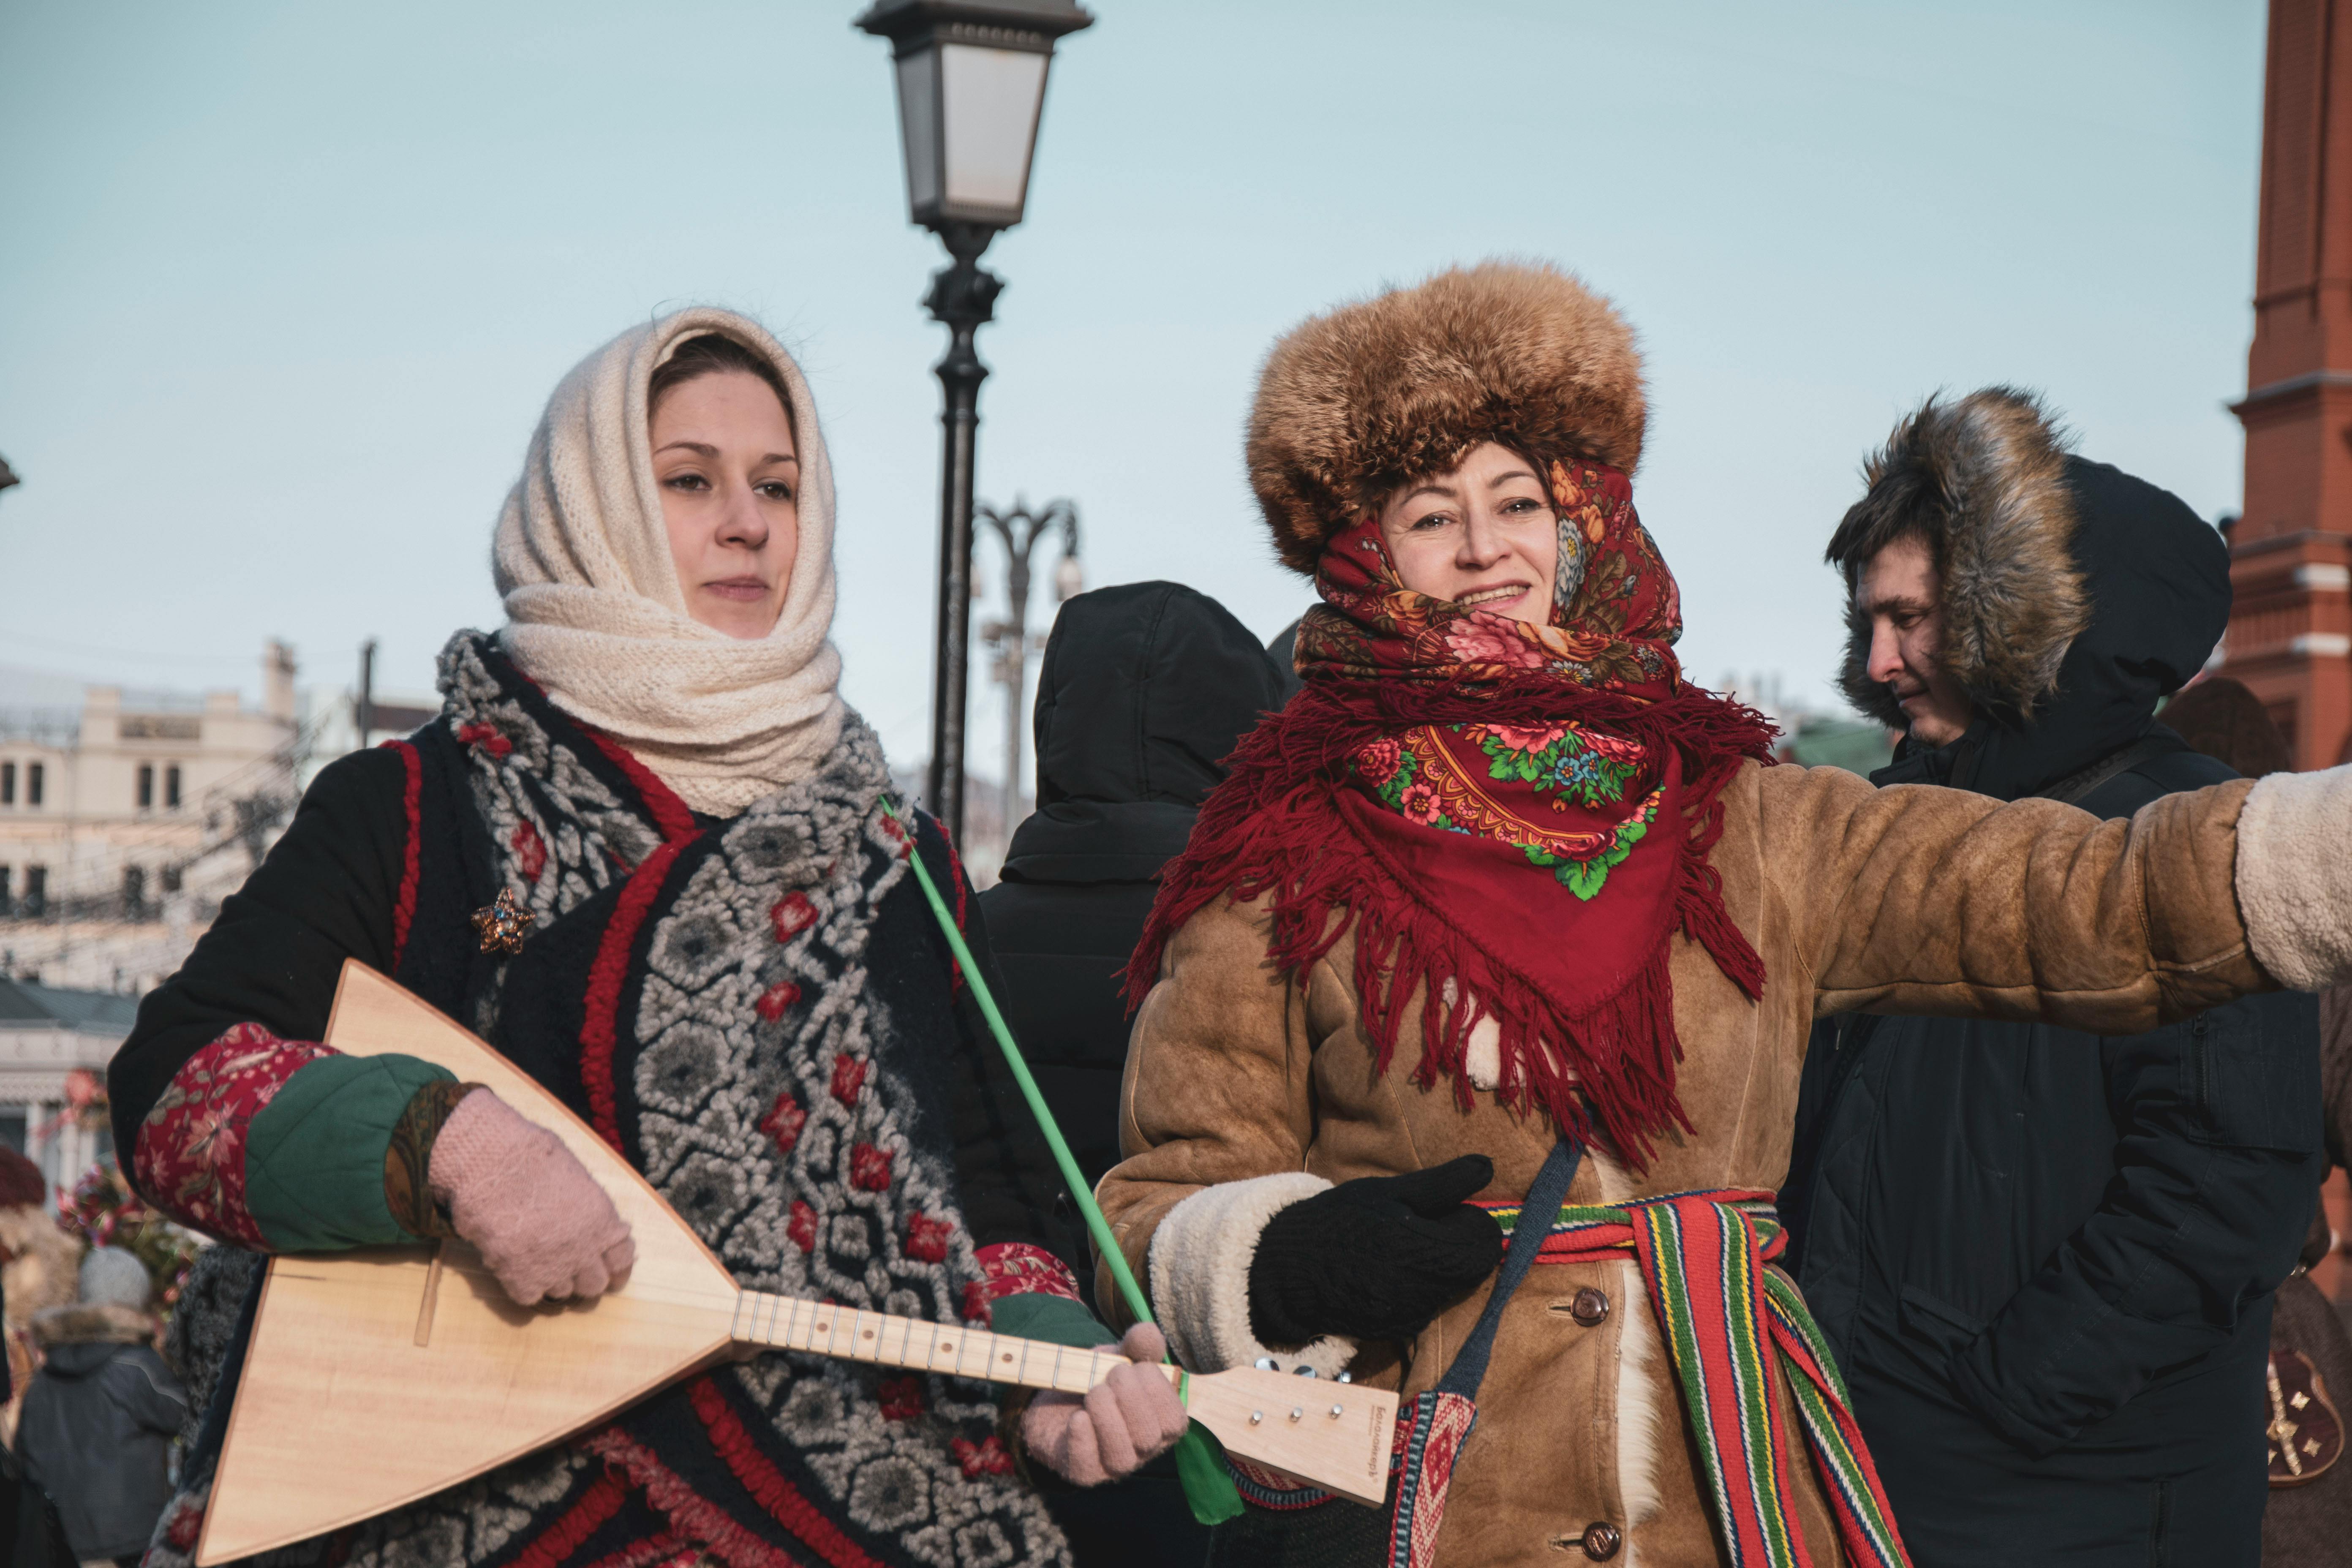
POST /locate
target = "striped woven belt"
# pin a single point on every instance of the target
(1728, 1321)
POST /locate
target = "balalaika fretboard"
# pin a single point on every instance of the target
(783, 1322)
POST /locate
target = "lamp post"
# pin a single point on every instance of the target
(1019, 529)
(972, 86)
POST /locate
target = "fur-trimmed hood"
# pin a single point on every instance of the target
(1352, 403)
(1984, 479)
(92, 1323)
(2075, 597)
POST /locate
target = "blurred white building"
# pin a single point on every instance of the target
(126, 818)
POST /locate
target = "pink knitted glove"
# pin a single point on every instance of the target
(1128, 1418)
(538, 1217)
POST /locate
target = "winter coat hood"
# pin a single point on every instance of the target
(1144, 690)
(1354, 402)
(2074, 595)
(79, 1340)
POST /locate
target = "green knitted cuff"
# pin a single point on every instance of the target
(314, 1158)
(1057, 1319)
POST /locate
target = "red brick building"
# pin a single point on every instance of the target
(2290, 637)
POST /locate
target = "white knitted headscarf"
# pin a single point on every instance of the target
(596, 613)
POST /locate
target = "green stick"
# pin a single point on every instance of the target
(1208, 1486)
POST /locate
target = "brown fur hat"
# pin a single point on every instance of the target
(1354, 403)
(1983, 481)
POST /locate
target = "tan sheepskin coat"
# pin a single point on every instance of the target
(1247, 1088)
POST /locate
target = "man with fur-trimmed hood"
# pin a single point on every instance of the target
(2044, 1259)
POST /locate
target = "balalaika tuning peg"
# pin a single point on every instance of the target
(1303, 1371)
(1266, 1364)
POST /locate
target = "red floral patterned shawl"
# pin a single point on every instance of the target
(1516, 816)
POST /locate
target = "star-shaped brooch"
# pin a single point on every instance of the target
(504, 924)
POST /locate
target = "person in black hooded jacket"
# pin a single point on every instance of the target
(1144, 690)
(2045, 1261)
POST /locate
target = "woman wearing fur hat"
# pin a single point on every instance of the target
(1499, 882)
(644, 851)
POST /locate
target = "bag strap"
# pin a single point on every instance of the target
(1541, 1207)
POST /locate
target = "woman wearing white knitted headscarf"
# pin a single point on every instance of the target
(598, 612)
(649, 854)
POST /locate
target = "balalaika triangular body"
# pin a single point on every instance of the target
(378, 1377)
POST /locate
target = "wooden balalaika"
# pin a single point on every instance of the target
(381, 1376)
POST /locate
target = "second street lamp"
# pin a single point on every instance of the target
(971, 86)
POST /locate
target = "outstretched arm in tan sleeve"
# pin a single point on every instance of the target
(1914, 900)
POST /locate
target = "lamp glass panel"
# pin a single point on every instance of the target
(991, 98)
(919, 122)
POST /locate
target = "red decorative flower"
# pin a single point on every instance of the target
(1492, 639)
(775, 999)
(802, 1226)
(530, 850)
(927, 1238)
(986, 1458)
(1419, 804)
(869, 1168)
(784, 1122)
(1378, 761)
(979, 1299)
(1531, 739)
(486, 737)
(848, 1078)
(902, 1398)
(792, 915)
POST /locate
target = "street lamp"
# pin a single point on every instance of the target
(972, 86)
(1019, 529)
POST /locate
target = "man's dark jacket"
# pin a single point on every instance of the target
(1144, 690)
(2045, 1259)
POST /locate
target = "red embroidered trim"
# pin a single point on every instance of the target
(927, 1238)
(986, 1458)
(776, 1000)
(190, 1159)
(848, 1078)
(530, 851)
(902, 1398)
(783, 1499)
(869, 1168)
(670, 814)
(561, 1539)
(1015, 1269)
(660, 1550)
(690, 1513)
(403, 908)
(783, 1122)
(600, 1028)
(962, 897)
(488, 737)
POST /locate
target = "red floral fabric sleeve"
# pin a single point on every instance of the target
(191, 1155)
(1017, 1268)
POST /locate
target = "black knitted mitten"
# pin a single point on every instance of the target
(1374, 1258)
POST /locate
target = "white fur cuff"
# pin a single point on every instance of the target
(2294, 876)
(1200, 1265)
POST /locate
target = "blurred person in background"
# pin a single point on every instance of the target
(644, 849)
(100, 1414)
(2044, 1259)
(1144, 692)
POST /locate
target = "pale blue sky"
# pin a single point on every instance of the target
(284, 287)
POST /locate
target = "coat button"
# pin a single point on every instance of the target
(1590, 1308)
(1602, 1541)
